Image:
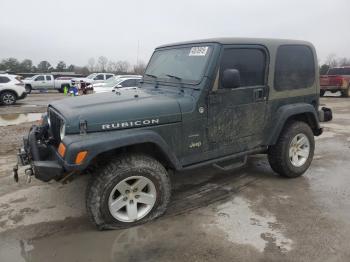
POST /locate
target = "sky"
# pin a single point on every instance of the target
(76, 30)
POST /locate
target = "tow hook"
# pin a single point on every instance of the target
(15, 173)
(29, 173)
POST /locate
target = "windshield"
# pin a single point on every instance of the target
(185, 63)
(91, 76)
(339, 71)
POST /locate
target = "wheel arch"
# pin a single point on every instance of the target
(120, 142)
(11, 91)
(295, 112)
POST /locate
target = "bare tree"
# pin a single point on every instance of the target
(344, 61)
(91, 64)
(102, 62)
(331, 60)
(122, 66)
(139, 69)
(112, 67)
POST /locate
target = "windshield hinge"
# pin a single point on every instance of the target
(83, 127)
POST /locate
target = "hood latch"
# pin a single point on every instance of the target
(83, 127)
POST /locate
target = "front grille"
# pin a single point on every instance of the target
(55, 124)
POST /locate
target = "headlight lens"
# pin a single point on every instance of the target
(62, 131)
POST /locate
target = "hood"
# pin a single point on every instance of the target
(120, 110)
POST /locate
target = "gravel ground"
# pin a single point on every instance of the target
(247, 215)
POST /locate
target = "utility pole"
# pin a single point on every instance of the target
(138, 50)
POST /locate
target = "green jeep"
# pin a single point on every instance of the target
(207, 102)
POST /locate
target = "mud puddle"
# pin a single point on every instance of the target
(15, 119)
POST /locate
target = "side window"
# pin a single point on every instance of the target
(250, 62)
(4, 79)
(40, 78)
(108, 76)
(295, 67)
(127, 83)
(99, 77)
(48, 78)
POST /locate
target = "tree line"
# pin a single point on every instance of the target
(102, 64)
(333, 61)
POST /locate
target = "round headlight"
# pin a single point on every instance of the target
(62, 131)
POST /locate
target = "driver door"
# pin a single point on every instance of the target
(236, 116)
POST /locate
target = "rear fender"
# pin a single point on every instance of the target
(299, 111)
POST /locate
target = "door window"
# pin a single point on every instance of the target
(295, 67)
(48, 78)
(250, 62)
(4, 79)
(108, 76)
(99, 77)
(128, 83)
(40, 78)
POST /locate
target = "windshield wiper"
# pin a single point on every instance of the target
(155, 79)
(176, 77)
(153, 76)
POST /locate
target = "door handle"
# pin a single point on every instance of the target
(259, 94)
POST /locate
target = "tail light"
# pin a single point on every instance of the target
(337, 81)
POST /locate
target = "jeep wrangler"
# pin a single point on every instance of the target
(207, 102)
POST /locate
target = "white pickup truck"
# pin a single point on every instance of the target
(94, 78)
(46, 82)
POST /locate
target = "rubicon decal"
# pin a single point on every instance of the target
(128, 124)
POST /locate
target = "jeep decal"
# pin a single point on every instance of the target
(137, 123)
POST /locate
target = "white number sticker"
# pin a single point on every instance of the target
(198, 51)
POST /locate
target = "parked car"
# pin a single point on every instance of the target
(46, 82)
(94, 78)
(206, 102)
(122, 83)
(114, 79)
(336, 79)
(11, 89)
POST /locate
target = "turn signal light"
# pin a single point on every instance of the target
(61, 149)
(80, 157)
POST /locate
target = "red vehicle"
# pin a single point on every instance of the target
(336, 79)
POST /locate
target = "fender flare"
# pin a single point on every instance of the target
(284, 113)
(100, 142)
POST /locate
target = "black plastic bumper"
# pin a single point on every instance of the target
(42, 157)
(325, 114)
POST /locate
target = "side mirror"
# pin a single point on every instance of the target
(231, 78)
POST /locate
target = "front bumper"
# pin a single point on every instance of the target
(42, 158)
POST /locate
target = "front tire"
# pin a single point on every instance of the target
(346, 92)
(8, 98)
(291, 156)
(127, 191)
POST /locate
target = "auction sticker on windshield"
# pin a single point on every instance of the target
(198, 51)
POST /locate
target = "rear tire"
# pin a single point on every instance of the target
(128, 191)
(322, 92)
(346, 92)
(8, 98)
(291, 156)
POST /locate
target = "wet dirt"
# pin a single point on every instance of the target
(15, 119)
(247, 215)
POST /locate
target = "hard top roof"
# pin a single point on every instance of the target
(240, 40)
